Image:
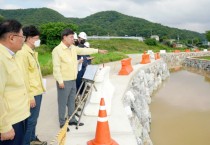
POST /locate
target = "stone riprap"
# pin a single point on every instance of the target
(176, 59)
(197, 63)
(138, 97)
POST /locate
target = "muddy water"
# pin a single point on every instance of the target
(181, 110)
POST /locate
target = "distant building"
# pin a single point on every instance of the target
(206, 43)
(156, 37)
(178, 45)
(171, 40)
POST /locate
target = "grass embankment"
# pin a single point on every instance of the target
(127, 46)
(118, 48)
(204, 57)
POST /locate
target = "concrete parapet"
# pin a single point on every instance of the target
(104, 89)
(152, 55)
(162, 51)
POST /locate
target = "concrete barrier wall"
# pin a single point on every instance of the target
(138, 97)
(176, 59)
(104, 88)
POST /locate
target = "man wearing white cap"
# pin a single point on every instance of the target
(82, 37)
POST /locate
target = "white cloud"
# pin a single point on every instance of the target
(10, 6)
(194, 26)
(79, 8)
(184, 14)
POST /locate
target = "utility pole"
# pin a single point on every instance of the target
(178, 38)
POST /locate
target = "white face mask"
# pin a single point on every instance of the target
(37, 43)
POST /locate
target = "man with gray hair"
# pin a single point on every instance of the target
(14, 102)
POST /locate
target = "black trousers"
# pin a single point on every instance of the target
(79, 79)
(19, 134)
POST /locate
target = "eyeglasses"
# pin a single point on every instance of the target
(24, 37)
(35, 37)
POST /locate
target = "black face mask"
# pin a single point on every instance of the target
(82, 41)
(76, 42)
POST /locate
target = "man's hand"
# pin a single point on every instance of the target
(33, 103)
(89, 58)
(7, 135)
(80, 61)
(61, 86)
(103, 51)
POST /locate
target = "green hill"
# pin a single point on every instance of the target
(103, 23)
(117, 24)
(35, 16)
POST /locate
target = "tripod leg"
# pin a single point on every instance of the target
(85, 100)
(82, 96)
(77, 99)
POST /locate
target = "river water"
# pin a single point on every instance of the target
(181, 110)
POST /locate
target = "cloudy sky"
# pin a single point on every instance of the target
(184, 14)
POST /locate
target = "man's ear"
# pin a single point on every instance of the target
(10, 38)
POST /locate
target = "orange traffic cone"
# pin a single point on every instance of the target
(145, 58)
(176, 51)
(196, 50)
(126, 68)
(129, 67)
(187, 50)
(102, 136)
(158, 55)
